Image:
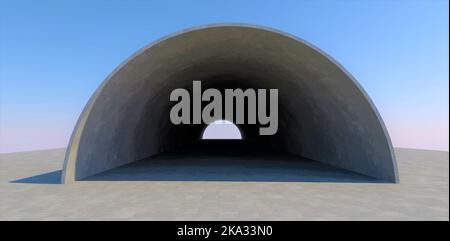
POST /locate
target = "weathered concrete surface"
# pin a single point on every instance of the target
(324, 115)
(423, 194)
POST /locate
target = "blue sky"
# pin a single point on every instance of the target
(55, 53)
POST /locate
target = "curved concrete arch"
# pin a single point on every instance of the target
(324, 114)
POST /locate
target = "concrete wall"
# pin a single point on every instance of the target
(324, 114)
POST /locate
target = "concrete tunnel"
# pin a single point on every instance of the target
(324, 114)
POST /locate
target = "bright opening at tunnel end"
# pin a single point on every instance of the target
(256, 107)
(222, 130)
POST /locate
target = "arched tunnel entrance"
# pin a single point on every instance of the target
(323, 114)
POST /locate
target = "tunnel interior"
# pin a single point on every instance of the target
(323, 114)
(187, 137)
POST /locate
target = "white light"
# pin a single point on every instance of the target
(222, 130)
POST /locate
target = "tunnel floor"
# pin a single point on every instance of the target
(230, 167)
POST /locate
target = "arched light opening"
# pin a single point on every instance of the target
(222, 130)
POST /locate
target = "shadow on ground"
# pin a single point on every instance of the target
(46, 178)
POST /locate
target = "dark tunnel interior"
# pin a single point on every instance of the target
(186, 138)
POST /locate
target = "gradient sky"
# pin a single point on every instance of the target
(55, 53)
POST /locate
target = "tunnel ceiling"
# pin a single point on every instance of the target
(324, 115)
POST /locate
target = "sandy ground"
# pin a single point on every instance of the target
(29, 190)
